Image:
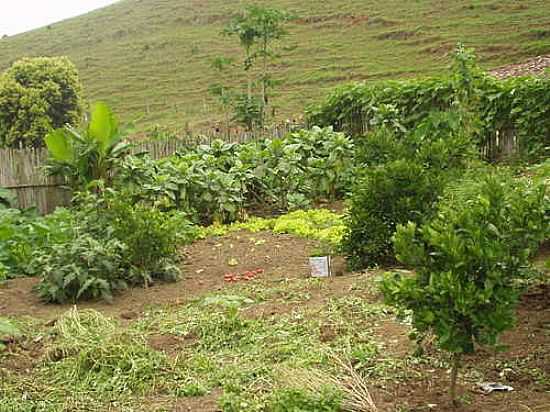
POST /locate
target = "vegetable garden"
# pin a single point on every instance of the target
(189, 276)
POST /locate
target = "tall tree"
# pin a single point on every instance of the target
(258, 29)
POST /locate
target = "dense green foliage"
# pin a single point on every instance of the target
(111, 244)
(36, 96)
(467, 259)
(93, 154)
(402, 177)
(22, 233)
(219, 182)
(517, 106)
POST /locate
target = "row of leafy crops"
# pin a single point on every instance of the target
(130, 213)
(222, 182)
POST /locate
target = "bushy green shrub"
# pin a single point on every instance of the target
(385, 196)
(150, 236)
(36, 96)
(466, 260)
(113, 244)
(399, 179)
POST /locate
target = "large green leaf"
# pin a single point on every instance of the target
(59, 144)
(103, 126)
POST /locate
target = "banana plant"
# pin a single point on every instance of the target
(90, 154)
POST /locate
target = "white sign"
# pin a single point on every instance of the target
(320, 266)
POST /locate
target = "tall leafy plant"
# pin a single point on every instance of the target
(258, 30)
(90, 154)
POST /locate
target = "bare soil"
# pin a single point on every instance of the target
(204, 265)
(535, 66)
(525, 365)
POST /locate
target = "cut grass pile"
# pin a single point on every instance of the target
(88, 357)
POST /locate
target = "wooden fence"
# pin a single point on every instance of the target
(22, 170)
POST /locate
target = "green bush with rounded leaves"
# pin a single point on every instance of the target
(467, 261)
(37, 95)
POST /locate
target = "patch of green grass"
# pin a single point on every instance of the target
(150, 60)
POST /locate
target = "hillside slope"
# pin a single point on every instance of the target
(151, 59)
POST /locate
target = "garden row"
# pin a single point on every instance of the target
(130, 213)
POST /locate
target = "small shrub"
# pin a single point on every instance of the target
(150, 236)
(386, 196)
(83, 268)
(467, 260)
(399, 179)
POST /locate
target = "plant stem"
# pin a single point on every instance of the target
(454, 375)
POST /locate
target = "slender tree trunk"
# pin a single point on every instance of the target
(248, 75)
(264, 82)
(454, 374)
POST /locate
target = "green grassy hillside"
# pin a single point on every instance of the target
(151, 59)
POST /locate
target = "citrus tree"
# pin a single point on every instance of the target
(467, 260)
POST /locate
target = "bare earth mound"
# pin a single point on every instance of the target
(536, 66)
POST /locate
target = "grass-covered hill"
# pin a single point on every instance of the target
(151, 59)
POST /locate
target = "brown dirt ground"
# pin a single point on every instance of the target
(284, 256)
(529, 342)
(205, 263)
(535, 66)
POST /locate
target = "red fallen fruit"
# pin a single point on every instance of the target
(260, 270)
(230, 277)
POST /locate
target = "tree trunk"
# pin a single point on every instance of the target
(264, 83)
(454, 374)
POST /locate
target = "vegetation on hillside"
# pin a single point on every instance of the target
(150, 59)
